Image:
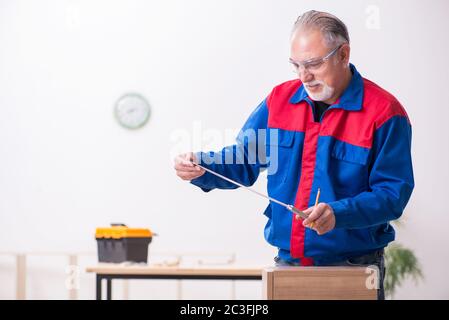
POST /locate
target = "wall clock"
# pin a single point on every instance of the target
(132, 110)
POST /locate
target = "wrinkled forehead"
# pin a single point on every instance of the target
(306, 44)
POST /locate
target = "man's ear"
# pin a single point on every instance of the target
(344, 53)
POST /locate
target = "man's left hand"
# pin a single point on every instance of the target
(322, 216)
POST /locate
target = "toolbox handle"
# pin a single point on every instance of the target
(118, 224)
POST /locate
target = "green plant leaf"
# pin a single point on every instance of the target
(401, 263)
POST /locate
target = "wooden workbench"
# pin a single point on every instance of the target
(110, 271)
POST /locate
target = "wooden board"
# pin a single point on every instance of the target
(319, 283)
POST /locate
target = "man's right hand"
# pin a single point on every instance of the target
(184, 167)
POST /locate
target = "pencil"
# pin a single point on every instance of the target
(316, 203)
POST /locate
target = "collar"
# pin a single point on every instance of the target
(351, 99)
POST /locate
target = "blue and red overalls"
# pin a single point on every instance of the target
(359, 155)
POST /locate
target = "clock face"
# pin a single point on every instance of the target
(132, 110)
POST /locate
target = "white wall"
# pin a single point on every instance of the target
(67, 167)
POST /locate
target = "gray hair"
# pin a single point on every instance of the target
(333, 29)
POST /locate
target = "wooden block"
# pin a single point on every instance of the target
(320, 283)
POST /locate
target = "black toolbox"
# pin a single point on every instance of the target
(119, 243)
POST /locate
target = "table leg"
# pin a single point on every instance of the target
(108, 289)
(98, 288)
